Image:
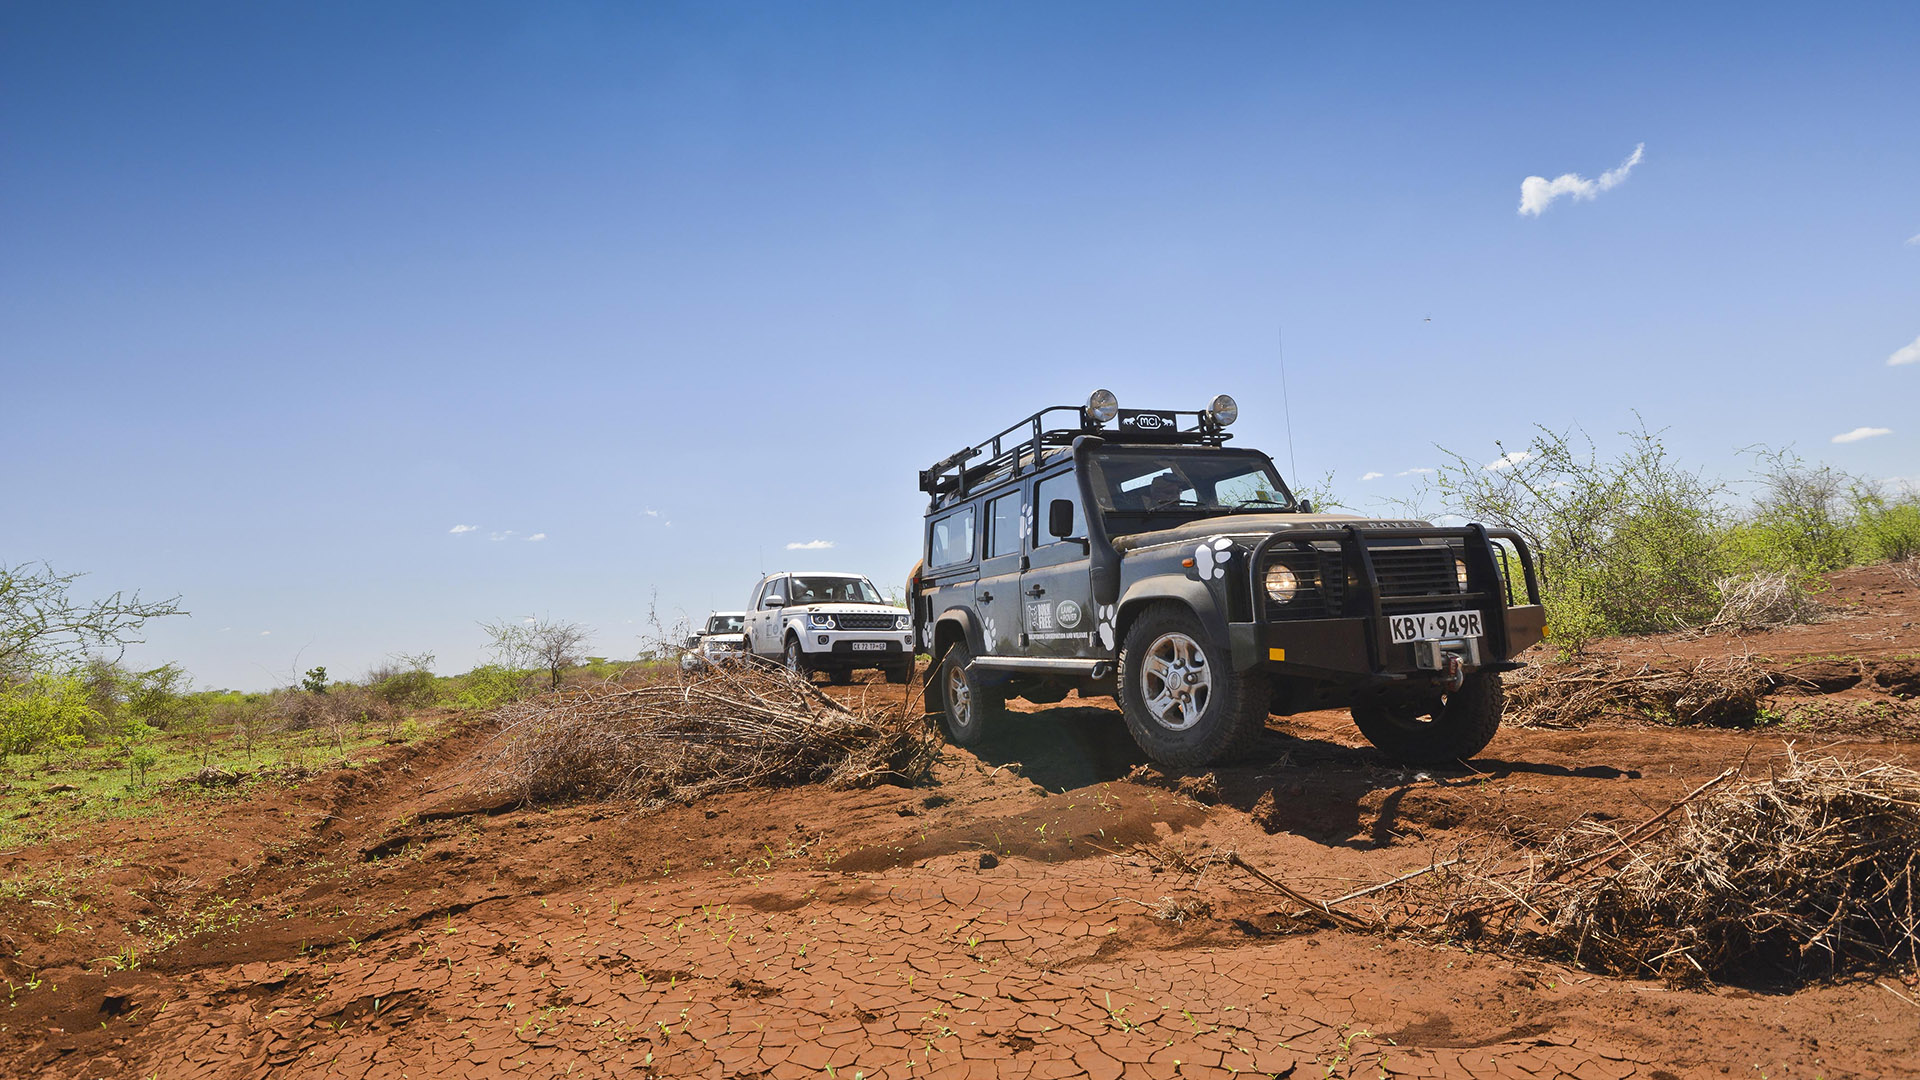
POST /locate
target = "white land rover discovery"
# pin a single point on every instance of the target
(836, 623)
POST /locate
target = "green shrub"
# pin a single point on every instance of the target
(44, 713)
(1885, 529)
(1625, 545)
(486, 687)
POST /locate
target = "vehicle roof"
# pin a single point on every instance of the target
(725, 614)
(814, 573)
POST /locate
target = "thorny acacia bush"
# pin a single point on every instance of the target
(1627, 545)
(687, 735)
(1636, 543)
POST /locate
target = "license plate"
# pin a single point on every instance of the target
(1435, 626)
(869, 646)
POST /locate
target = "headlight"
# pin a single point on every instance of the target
(1102, 406)
(1281, 583)
(1224, 410)
(1460, 573)
(904, 622)
(821, 622)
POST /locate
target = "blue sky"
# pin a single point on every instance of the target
(289, 291)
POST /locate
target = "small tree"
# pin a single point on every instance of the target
(315, 682)
(537, 644)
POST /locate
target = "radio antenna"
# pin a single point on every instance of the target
(1286, 405)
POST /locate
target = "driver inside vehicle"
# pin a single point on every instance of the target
(1165, 491)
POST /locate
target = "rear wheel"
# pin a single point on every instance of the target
(970, 706)
(1184, 703)
(1452, 728)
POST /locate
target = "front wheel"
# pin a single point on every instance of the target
(970, 706)
(1453, 728)
(797, 665)
(900, 673)
(1184, 703)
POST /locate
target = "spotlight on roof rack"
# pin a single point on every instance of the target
(1224, 410)
(1102, 406)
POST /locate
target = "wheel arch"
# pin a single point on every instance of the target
(1169, 588)
(955, 624)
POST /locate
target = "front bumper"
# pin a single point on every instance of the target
(856, 646)
(1338, 648)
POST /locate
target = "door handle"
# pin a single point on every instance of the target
(985, 598)
(1037, 590)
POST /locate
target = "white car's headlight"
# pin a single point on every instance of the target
(1281, 583)
(904, 622)
(821, 622)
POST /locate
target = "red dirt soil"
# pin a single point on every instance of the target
(1006, 919)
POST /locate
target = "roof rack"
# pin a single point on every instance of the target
(1022, 445)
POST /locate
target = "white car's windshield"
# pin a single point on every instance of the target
(1151, 481)
(724, 624)
(833, 590)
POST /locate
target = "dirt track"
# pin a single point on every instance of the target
(1005, 920)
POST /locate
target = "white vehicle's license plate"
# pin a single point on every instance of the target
(869, 646)
(1435, 626)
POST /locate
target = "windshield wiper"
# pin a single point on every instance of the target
(1244, 503)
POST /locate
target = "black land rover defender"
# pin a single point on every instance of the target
(1131, 553)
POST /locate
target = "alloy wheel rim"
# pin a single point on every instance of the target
(1176, 682)
(959, 695)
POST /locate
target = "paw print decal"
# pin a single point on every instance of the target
(1026, 520)
(1103, 626)
(988, 632)
(1210, 558)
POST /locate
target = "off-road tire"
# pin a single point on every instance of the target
(1460, 726)
(970, 717)
(840, 677)
(1230, 719)
(795, 659)
(900, 673)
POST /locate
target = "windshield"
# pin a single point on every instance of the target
(1152, 481)
(725, 624)
(833, 590)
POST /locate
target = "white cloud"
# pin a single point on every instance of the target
(810, 545)
(1373, 476)
(458, 529)
(1906, 354)
(502, 535)
(1914, 240)
(1537, 192)
(1414, 472)
(1861, 433)
(1508, 460)
(266, 633)
(651, 512)
(536, 536)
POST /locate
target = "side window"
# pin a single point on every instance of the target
(1003, 526)
(776, 587)
(952, 540)
(1057, 486)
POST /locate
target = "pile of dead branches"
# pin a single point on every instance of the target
(1723, 692)
(1761, 602)
(679, 739)
(1807, 870)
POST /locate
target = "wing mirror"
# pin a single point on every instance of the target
(1060, 518)
(1306, 506)
(776, 600)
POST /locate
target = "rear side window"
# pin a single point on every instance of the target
(952, 540)
(1003, 526)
